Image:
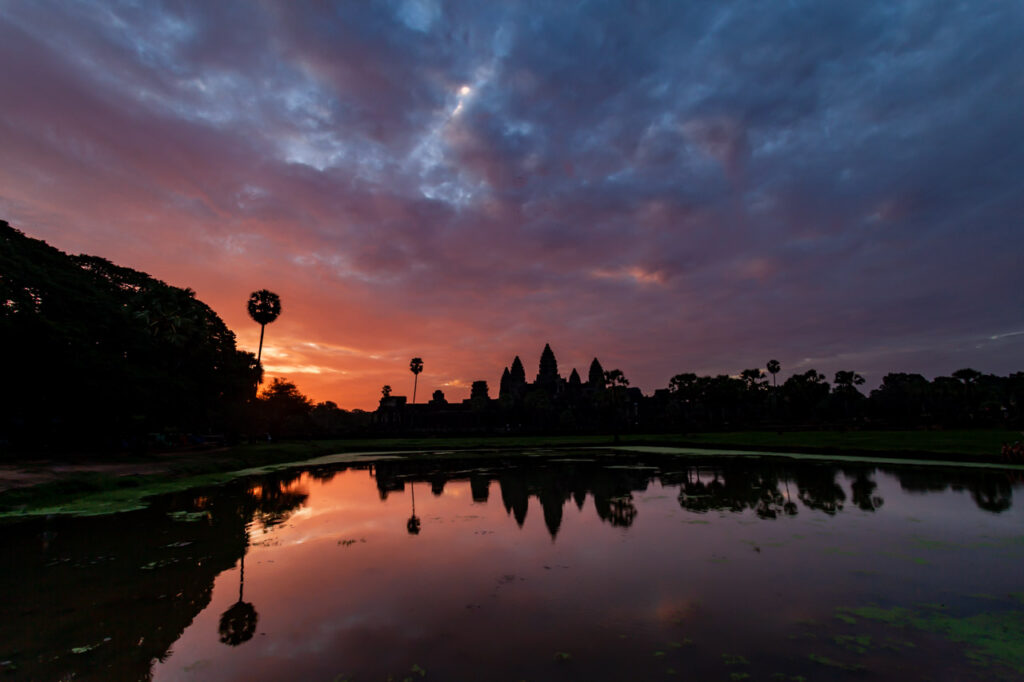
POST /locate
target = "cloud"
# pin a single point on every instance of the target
(668, 186)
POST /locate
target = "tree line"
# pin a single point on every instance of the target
(966, 399)
(755, 398)
(106, 358)
(103, 357)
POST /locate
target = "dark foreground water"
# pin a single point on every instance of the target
(594, 566)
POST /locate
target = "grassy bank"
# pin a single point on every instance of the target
(101, 492)
(966, 445)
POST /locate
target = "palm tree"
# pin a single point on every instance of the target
(617, 382)
(264, 307)
(413, 524)
(415, 366)
(238, 623)
(773, 369)
(385, 391)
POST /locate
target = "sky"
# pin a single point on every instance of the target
(671, 187)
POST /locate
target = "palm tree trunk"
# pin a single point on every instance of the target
(259, 354)
(415, 381)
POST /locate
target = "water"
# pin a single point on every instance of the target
(592, 566)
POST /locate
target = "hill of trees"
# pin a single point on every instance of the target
(99, 355)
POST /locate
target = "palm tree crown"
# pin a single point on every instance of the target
(264, 307)
(415, 366)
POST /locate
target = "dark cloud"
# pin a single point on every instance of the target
(668, 185)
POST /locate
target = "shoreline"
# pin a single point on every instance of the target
(40, 487)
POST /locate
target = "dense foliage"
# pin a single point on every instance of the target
(103, 356)
(967, 399)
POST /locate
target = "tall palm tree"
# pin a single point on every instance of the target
(413, 524)
(415, 366)
(238, 623)
(264, 307)
(773, 369)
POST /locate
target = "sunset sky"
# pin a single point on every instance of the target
(677, 186)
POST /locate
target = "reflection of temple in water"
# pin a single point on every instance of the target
(771, 488)
(128, 585)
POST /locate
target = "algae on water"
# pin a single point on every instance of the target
(990, 637)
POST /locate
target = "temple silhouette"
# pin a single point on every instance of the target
(550, 402)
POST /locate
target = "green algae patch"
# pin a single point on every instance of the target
(118, 499)
(833, 663)
(187, 517)
(112, 495)
(926, 543)
(858, 644)
(876, 613)
(988, 638)
(838, 551)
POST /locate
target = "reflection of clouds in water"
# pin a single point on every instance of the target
(661, 580)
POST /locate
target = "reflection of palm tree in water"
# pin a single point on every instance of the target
(790, 506)
(238, 623)
(413, 524)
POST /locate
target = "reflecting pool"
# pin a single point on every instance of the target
(581, 565)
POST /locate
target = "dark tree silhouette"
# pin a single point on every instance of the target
(238, 623)
(143, 357)
(773, 368)
(415, 366)
(863, 489)
(264, 307)
(617, 382)
(752, 378)
(285, 411)
(385, 391)
(967, 375)
(614, 378)
(848, 378)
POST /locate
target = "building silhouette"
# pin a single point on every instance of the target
(550, 402)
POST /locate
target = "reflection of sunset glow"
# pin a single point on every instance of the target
(342, 575)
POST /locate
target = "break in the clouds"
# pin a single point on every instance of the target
(678, 186)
